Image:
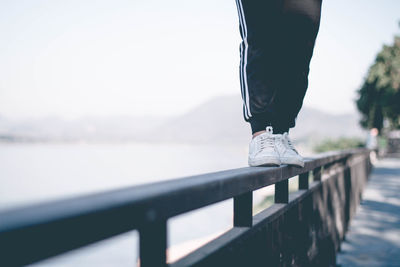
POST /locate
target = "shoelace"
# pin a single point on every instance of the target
(289, 142)
(266, 141)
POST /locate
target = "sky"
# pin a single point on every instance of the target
(162, 58)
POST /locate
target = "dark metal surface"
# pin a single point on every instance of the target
(243, 210)
(99, 216)
(305, 232)
(153, 253)
(282, 192)
(303, 180)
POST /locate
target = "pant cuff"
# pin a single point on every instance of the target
(260, 121)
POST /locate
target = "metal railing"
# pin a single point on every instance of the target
(37, 232)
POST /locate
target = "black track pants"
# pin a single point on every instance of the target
(278, 38)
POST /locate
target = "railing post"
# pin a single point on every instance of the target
(243, 210)
(317, 174)
(153, 244)
(328, 168)
(282, 191)
(303, 181)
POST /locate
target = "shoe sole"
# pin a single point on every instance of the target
(264, 162)
(291, 161)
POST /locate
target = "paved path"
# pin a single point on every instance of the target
(373, 238)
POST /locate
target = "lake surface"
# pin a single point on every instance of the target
(31, 173)
(36, 172)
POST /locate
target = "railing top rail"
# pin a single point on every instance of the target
(160, 200)
(71, 223)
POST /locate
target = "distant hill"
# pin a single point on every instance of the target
(219, 120)
(92, 129)
(313, 125)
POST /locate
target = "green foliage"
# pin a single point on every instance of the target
(267, 202)
(269, 199)
(379, 96)
(338, 144)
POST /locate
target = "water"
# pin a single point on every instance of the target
(33, 173)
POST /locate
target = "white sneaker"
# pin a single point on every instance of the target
(287, 153)
(262, 150)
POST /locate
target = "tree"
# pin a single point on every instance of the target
(379, 96)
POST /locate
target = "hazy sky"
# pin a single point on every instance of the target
(153, 57)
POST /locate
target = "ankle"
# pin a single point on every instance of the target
(258, 133)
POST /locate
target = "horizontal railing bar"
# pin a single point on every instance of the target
(230, 236)
(211, 247)
(155, 193)
(261, 219)
(133, 207)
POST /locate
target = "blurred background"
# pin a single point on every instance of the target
(96, 95)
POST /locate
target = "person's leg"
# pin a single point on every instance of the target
(259, 79)
(259, 28)
(278, 38)
(299, 28)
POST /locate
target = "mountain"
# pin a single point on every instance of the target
(54, 129)
(219, 120)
